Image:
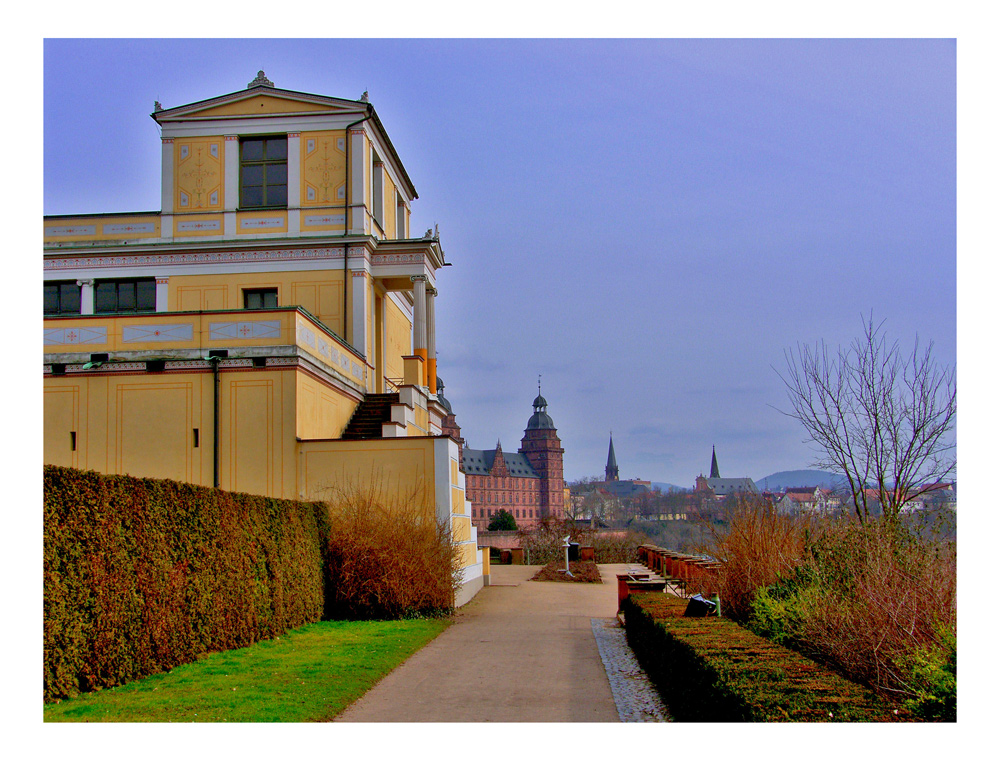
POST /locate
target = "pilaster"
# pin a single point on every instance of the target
(162, 292)
(359, 311)
(294, 182)
(167, 188)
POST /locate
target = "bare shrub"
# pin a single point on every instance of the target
(889, 602)
(388, 557)
(759, 547)
(875, 600)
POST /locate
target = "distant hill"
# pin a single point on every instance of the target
(667, 488)
(795, 478)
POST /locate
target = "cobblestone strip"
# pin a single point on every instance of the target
(635, 697)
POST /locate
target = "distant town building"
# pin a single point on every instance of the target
(808, 499)
(621, 489)
(718, 486)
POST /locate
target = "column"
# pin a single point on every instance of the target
(431, 343)
(420, 320)
(86, 296)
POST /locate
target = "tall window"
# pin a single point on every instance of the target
(260, 299)
(62, 298)
(125, 296)
(264, 172)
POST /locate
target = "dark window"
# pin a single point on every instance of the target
(62, 297)
(260, 299)
(125, 296)
(264, 172)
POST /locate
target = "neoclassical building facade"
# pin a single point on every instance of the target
(271, 329)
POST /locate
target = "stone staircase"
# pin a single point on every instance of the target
(374, 410)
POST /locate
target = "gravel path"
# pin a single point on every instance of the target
(635, 696)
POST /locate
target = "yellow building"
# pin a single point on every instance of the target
(269, 330)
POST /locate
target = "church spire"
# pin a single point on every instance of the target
(611, 469)
(715, 466)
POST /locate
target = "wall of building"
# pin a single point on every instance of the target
(319, 292)
(398, 331)
(323, 410)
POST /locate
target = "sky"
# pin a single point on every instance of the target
(645, 224)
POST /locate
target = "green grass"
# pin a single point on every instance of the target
(310, 674)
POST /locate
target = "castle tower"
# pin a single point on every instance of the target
(611, 469)
(449, 425)
(544, 451)
(714, 473)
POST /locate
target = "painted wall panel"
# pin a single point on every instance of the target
(397, 465)
(153, 428)
(251, 418)
(61, 419)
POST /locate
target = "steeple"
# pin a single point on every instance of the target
(714, 473)
(611, 469)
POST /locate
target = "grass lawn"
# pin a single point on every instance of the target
(311, 674)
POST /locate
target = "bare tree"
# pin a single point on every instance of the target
(882, 418)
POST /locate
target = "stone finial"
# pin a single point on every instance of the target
(364, 96)
(156, 106)
(260, 81)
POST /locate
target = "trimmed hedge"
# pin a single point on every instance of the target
(711, 669)
(142, 575)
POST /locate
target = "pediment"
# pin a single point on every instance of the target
(260, 101)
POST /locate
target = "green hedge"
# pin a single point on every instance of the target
(711, 669)
(141, 575)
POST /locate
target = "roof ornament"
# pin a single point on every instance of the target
(429, 234)
(364, 96)
(260, 81)
(156, 106)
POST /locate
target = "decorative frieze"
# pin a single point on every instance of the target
(189, 258)
(397, 258)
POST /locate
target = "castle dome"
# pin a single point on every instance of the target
(441, 398)
(540, 419)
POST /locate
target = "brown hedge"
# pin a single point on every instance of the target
(711, 669)
(141, 575)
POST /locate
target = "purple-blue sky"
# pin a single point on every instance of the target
(647, 224)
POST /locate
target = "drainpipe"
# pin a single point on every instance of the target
(215, 425)
(214, 357)
(347, 207)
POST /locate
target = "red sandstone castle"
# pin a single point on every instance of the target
(528, 484)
